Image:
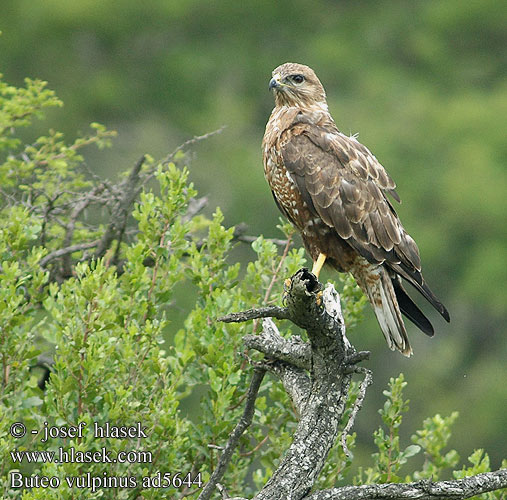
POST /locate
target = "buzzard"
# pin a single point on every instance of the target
(337, 194)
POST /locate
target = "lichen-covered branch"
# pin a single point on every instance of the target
(270, 342)
(458, 489)
(420, 490)
(295, 381)
(262, 312)
(320, 395)
(317, 377)
(368, 379)
(320, 417)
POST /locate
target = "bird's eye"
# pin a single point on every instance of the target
(298, 79)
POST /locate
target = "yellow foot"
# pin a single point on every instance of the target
(319, 297)
(317, 265)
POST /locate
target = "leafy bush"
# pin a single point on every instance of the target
(88, 293)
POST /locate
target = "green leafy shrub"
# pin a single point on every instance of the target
(100, 311)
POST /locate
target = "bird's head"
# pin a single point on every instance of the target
(297, 85)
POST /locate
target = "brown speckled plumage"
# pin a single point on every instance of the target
(335, 192)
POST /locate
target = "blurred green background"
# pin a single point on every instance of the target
(422, 81)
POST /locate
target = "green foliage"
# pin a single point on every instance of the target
(18, 107)
(106, 325)
(45, 176)
(390, 457)
(114, 357)
(355, 299)
(423, 82)
(431, 439)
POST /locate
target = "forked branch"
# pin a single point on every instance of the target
(317, 377)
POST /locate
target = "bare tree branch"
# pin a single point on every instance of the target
(122, 210)
(320, 399)
(67, 250)
(262, 312)
(420, 490)
(368, 379)
(190, 142)
(241, 426)
(239, 235)
(195, 206)
(69, 232)
(172, 156)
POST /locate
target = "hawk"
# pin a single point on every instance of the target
(338, 196)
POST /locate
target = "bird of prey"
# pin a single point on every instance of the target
(338, 196)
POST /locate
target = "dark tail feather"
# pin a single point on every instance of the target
(428, 294)
(415, 279)
(410, 310)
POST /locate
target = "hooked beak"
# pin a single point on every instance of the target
(275, 83)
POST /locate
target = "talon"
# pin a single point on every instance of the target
(319, 297)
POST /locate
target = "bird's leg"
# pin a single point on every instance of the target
(317, 265)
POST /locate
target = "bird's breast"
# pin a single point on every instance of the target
(317, 236)
(285, 189)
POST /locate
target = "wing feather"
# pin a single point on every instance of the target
(348, 189)
(340, 220)
(384, 241)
